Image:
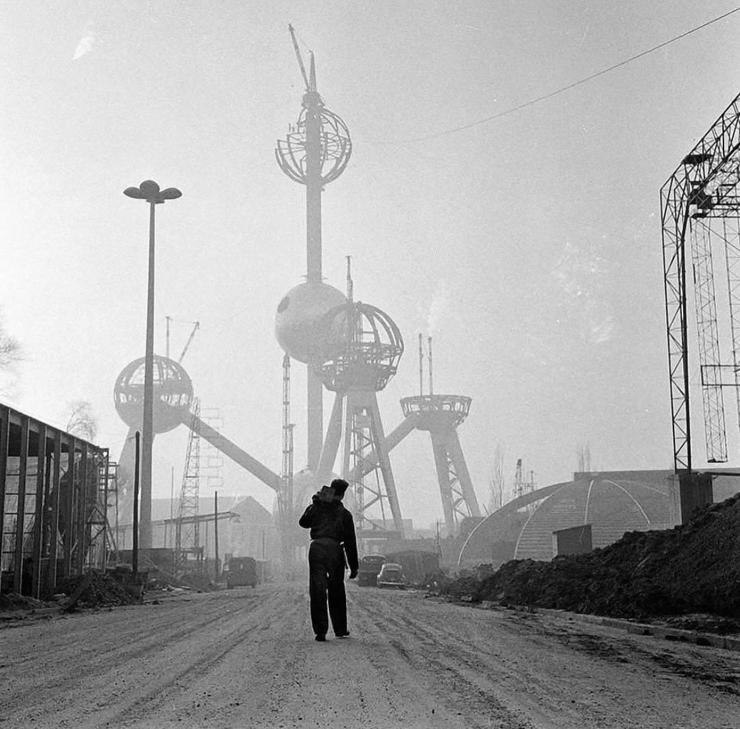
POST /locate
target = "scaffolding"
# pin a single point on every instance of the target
(53, 505)
(699, 206)
(187, 526)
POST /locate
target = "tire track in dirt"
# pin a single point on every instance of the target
(463, 692)
(211, 691)
(604, 666)
(92, 660)
(102, 675)
(224, 660)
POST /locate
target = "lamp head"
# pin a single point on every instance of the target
(149, 191)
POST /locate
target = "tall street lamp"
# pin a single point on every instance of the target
(149, 191)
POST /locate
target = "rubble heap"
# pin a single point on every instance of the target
(13, 601)
(693, 568)
(98, 590)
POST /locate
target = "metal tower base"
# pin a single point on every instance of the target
(440, 415)
(366, 466)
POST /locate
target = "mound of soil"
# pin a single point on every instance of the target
(14, 601)
(101, 590)
(693, 568)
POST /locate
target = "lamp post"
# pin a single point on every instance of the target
(149, 191)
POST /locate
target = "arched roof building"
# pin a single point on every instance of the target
(612, 503)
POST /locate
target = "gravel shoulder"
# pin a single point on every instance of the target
(247, 658)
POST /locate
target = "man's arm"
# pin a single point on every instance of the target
(306, 520)
(350, 544)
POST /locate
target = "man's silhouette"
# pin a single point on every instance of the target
(332, 536)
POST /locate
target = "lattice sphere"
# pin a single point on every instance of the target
(372, 349)
(336, 148)
(173, 394)
(299, 316)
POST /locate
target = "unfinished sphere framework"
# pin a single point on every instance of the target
(356, 373)
(700, 205)
(174, 404)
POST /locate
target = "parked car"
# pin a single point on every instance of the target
(391, 575)
(370, 565)
(241, 571)
(418, 565)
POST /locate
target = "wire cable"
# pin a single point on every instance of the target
(569, 86)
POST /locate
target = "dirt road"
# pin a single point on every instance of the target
(246, 658)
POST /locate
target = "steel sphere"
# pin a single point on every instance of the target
(371, 348)
(336, 147)
(173, 394)
(298, 319)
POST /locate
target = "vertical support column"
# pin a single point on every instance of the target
(439, 448)
(312, 104)
(732, 259)
(463, 475)
(46, 531)
(674, 214)
(68, 504)
(314, 274)
(708, 337)
(83, 538)
(347, 474)
(56, 504)
(21, 507)
(384, 462)
(333, 437)
(106, 526)
(147, 435)
(315, 416)
(4, 432)
(38, 521)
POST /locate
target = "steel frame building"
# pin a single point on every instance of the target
(54, 490)
(700, 204)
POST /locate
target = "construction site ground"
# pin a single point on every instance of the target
(246, 658)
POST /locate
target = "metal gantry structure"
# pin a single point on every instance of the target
(699, 209)
(285, 499)
(187, 526)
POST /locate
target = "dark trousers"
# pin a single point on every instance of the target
(326, 580)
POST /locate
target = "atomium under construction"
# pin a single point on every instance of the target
(352, 349)
(349, 348)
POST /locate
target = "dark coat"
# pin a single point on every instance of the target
(332, 521)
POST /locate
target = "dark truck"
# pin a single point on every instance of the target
(241, 571)
(370, 564)
(417, 565)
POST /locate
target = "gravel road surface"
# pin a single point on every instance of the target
(246, 658)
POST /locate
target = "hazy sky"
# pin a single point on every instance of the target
(528, 246)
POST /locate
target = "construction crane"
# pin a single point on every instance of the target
(196, 326)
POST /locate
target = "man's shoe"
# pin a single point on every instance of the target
(320, 637)
(343, 635)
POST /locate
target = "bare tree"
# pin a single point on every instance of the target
(81, 421)
(10, 353)
(496, 481)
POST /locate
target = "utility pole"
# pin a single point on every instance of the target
(215, 530)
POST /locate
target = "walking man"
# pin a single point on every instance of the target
(332, 537)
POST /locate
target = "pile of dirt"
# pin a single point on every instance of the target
(693, 568)
(14, 601)
(97, 590)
